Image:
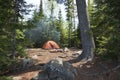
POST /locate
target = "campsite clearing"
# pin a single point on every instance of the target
(85, 71)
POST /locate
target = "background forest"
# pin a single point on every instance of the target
(17, 34)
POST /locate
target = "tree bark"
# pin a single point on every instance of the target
(86, 36)
(13, 43)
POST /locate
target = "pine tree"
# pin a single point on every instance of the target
(106, 21)
(41, 13)
(18, 10)
(38, 15)
(70, 14)
(11, 33)
(61, 29)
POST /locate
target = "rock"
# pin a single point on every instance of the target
(66, 49)
(69, 66)
(26, 63)
(53, 51)
(35, 57)
(41, 76)
(56, 69)
(59, 50)
(76, 54)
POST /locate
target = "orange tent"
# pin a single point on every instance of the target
(50, 45)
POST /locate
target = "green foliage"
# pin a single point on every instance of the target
(5, 78)
(76, 42)
(106, 28)
(59, 25)
(11, 33)
(7, 64)
(70, 15)
(5, 34)
(41, 13)
(69, 9)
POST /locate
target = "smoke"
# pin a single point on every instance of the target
(42, 33)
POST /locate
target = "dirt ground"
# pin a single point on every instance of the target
(96, 70)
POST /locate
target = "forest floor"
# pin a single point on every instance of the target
(96, 70)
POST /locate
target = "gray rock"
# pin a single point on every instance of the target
(56, 69)
(26, 63)
(41, 76)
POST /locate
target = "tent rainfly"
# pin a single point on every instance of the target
(50, 45)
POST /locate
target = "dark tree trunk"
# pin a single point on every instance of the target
(13, 43)
(86, 36)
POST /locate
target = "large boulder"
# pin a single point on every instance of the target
(56, 69)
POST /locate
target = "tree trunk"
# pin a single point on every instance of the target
(13, 43)
(86, 34)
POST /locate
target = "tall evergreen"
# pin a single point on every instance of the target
(60, 28)
(41, 13)
(70, 14)
(12, 41)
(52, 11)
(106, 21)
(18, 9)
